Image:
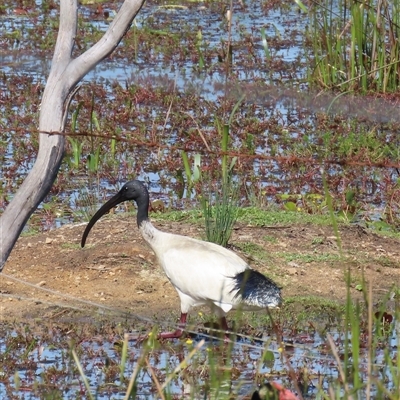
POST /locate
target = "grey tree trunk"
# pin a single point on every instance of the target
(65, 74)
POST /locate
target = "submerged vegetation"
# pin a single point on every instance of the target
(154, 126)
(349, 354)
(224, 118)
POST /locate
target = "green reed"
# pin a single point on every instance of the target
(368, 329)
(354, 45)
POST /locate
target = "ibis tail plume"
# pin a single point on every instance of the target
(202, 273)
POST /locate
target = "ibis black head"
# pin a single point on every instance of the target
(132, 190)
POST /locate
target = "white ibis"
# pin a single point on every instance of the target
(201, 272)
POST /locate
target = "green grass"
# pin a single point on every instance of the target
(312, 257)
(253, 249)
(386, 262)
(270, 239)
(258, 217)
(66, 245)
(250, 216)
(301, 310)
(29, 231)
(318, 240)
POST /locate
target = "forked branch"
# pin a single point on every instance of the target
(64, 76)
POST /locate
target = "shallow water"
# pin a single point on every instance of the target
(272, 93)
(21, 59)
(42, 365)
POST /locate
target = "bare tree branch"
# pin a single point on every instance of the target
(79, 67)
(64, 75)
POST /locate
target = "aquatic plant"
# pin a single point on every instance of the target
(354, 46)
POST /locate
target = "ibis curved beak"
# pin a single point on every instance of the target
(118, 198)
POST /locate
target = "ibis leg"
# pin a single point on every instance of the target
(178, 333)
(224, 327)
(224, 324)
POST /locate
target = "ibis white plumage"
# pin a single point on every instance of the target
(202, 273)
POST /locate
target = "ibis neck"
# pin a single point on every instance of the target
(143, 208)
(142, 213)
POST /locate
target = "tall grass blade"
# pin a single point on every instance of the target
(113, 147)
(331, 212)
(131, 390)
(74, 119)
(339, 366)
(124, 356)
(224, 148)
(183, 364)
(235, 108)
(199, 42)
(354, 48)
(82, 374)
(301, 6)
(220, 213)
(155, 380)
(186, 165)
(76, 151)
(196, 167)
(265, 44)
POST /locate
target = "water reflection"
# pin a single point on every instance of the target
(100, 359)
